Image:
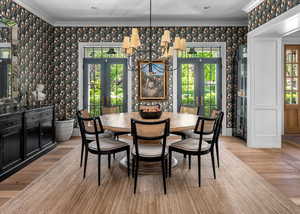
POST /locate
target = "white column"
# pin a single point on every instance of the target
(265, 103)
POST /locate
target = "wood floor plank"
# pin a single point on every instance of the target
(238, 189)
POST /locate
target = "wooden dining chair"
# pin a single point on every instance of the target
(113, 110)
(207, 138)
(89, 138)
(199, 147)
(149, 145)
(100, 146)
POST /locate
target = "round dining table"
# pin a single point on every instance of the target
(121, 122)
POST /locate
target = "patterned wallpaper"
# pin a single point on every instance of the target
(34, 51)
(268, 10)
(5, 34)
(49, 55)
(66, 58)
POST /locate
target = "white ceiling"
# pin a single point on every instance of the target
(136, 12)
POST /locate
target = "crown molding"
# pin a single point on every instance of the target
(253, 4)
(31, 8)
(168, 23)
(158, 23)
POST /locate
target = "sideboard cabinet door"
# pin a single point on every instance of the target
(11, 146)
(47, 127)
(32, 133)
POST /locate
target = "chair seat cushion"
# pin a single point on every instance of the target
(149, 150)
(103, 135)
(107, 144)
(191, 144)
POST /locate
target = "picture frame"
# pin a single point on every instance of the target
(152, 82)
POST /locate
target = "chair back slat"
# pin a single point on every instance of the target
(189, 110)
(110, 110)
(150, 133)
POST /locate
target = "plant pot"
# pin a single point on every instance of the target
(64, 130)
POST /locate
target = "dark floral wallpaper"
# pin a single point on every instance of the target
(49, 55)
(5, 34)
(268, 10)
(34, 51)
(66, 58)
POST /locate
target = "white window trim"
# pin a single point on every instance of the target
(225, 131)
(81, 47)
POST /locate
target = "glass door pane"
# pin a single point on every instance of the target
(95, 96)
(187, 86)
(118, 87)
(210, 88)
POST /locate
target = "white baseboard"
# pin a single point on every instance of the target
(227, 132)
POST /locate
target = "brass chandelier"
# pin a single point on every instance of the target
(132, 43)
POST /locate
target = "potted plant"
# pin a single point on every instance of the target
(64, 128)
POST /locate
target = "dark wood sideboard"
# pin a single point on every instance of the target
(24, 136)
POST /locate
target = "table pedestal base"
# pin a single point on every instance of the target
(147, 167)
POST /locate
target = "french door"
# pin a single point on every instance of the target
(105, 84)
(292, 90)
(200, 83)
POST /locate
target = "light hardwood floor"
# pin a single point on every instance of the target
(280, 167)
(17, 182)
(238, 189)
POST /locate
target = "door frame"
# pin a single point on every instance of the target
(225, 130)
(106, 62)
(81, 46)
(288, 42)
(199, 87)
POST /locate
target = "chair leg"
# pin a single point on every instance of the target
(109, 158)
(164, 175)
(199, 170)
(190, 161)
(99, 169)
(133, 166)
(85, 162)
(81, 157)
(184, 156)
(213, 163)
(217, 151)
(114, 155)
(166, 166)
(170, 163)
(128, 161)
(136, 174)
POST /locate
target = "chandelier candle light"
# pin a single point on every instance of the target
(132, 43)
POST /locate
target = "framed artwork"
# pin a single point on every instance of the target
(152, 80)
